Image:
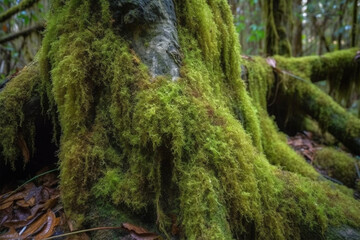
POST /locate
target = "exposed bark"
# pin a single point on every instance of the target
(150, 25)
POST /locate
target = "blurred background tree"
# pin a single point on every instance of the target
(20, 34)
(311, 27)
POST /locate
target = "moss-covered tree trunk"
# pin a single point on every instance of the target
(158, 129)
(277, 17)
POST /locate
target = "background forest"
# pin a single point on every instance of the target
(312, 27)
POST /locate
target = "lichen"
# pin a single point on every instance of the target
(337, 164)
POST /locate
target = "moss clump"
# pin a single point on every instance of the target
(337, 164)
(339, 68)
(260, 81)
(13, 121)
(194, 148)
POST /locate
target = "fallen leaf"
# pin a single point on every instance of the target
(5, 205)
(36, 226)
(49, 229)
(24, 204)
(139, 233)
(136, 229)
(11, 234)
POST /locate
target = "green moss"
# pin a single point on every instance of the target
(13, 120)
(260, 81)
(337, 164)
(339, 68)
(24, 4)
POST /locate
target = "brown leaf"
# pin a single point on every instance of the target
(5, 205)
(139, 233)
(49, 229)
(24, 148)
(36, 226)
(21, 223)
(51, 202)
(12, 196)
(24, 204)
(11, 234)
(136, 229)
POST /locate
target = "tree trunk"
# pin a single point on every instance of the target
(277, 17)
(354, 23)
(158, 129)
(297, 40)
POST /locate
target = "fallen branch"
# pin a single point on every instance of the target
(15, 9)
(22, 33)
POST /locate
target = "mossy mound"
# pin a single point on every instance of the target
(337, 164)
(199, 148)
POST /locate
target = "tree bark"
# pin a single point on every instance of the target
(276, 15)
(354, 23)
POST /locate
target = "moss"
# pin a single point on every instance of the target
(153, 145)
(337, 164)
(24, 4)
(260, 81)
(339, 68)
(13, 121)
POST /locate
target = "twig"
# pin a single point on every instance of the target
(30, 180)
(333, 179)
(82, 231)
(357, 166)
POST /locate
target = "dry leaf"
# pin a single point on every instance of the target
(5, 205)
(24, 204)
(11, 234)
(49, 229)
(139, 233)
(36, 226)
